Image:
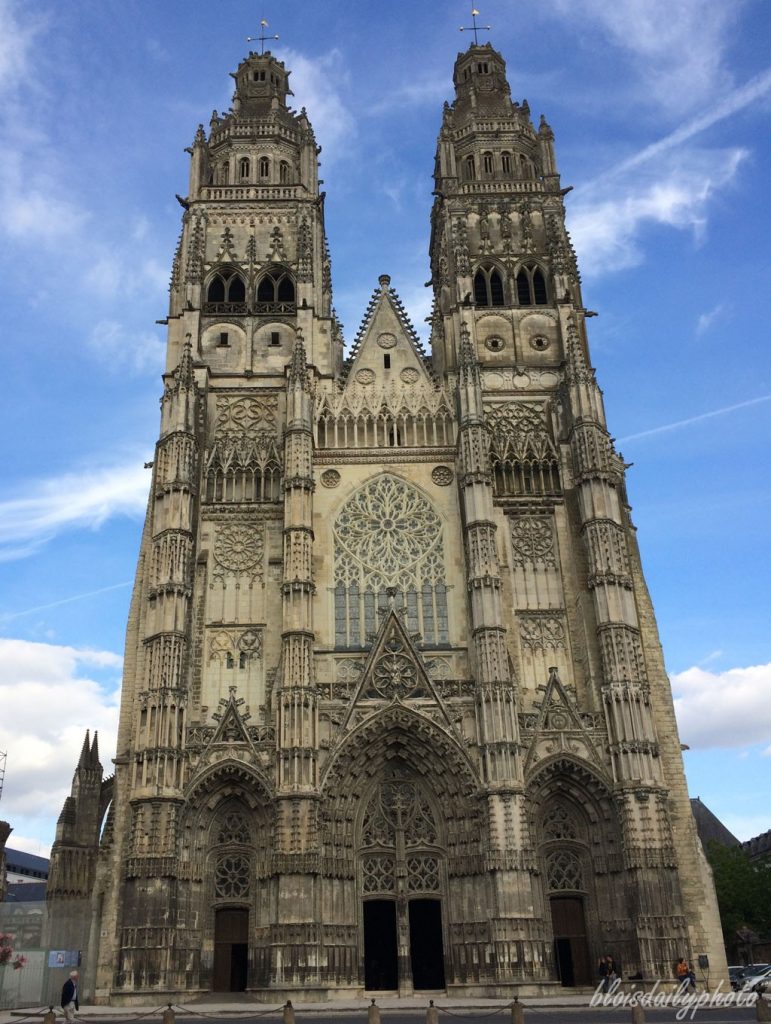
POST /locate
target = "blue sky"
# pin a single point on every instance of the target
(661, 111)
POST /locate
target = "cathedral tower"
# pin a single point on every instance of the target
(394, 713)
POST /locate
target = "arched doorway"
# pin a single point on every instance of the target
(226, 837)
(579, 843)
(402, 885)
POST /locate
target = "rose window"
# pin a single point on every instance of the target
(231, 880)
(388, 536)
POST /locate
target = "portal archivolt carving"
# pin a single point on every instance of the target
(399, 840)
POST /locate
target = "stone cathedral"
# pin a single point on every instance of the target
(394, 713)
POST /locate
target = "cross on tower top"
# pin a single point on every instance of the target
(475, 28)
(262, 37)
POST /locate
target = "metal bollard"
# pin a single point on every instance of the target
(432, 1014)
(762, 1008)
(50, 1017)
(373, 1013)
(168, 1015)
(517, 1012)
(638, 1015)
(289, 1012)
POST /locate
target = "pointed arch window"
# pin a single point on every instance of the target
(224, 175)
(488, 286)
(531, 286)
(226, 292)
(276, 292)
(264, 167)
(244, 168)
(488, 164)
(469, 170)
(388, 535)
(506, 163)
(283, 172)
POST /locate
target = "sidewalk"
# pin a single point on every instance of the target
(273, 1012)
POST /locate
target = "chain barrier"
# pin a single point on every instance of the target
(475, 1016)
(231, 1014)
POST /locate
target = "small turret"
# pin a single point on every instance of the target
(262, 84)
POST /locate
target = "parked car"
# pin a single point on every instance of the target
(756, 979)
(735, 975)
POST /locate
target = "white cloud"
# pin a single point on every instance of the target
(16, 42)
(84, 499)
(316, 84)
(606, 221)
(49, 699)
(723, 709)
(121, 349)
(416, 92)
(677, 50)
(706, 320)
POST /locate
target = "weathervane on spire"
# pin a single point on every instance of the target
(475, 28)
(261, 38)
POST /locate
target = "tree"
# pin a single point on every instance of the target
(743, 888)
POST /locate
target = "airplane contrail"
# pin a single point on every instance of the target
(752, 90)
(6, 616)
(693, 419)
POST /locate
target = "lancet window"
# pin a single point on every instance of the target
(523, 455)
(226, 292)
(275, 292)
(389, 537)
(531, 286)
(488, 286)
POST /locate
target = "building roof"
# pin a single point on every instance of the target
(25, 892)
(710, 828)
(26, 863)
(759, 847)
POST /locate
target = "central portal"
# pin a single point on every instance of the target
(231, 950)
(402, 882)
(423, 968)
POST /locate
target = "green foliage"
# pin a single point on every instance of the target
(743, 892)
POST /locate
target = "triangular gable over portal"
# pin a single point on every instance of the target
(394, 673)
(558, 726)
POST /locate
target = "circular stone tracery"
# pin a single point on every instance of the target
(237, 547)
(388, 525)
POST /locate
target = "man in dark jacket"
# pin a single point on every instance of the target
(70, 996)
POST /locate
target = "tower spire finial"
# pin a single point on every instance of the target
(262, 37)
(475, 28)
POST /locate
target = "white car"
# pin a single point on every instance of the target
(757, 982)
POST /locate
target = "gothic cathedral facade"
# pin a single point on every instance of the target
(394, 712)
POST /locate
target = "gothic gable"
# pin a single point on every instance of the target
(558, 727)
(394, 672)
(387, 349)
